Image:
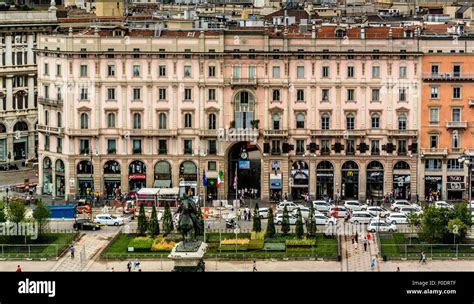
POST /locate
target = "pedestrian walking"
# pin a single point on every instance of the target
(352, 239)
(365, 244)
(254, 266)
(71, 250)
(356, 237)
(398, 269)
(356, 245)
(423, 257)
(372, 263)
(239, 214)
(18, 268)
(129, 266)
(136, 264)
(368, 236)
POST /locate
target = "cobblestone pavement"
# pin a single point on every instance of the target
(431, 265)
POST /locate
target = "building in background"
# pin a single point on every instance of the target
(18, 93)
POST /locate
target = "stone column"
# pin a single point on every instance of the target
(9, 82)
(8, 50)
(312, 178)
(30, 54)
(31, 91)
(337, 176)
(362, 181)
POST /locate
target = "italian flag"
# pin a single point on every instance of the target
(220, 178)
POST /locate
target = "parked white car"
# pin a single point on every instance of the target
(279, 219)
(321, 219)
(442, 204)
(377, 211)
(304, 212)
(470, 205)
(263, 212)
(397, 204)
(360, 217)
(381, 227)
(322, 206)
(289, 206)
(338, 211)
(107, 219)
(410, 209)
(396, 218)
(353, 205)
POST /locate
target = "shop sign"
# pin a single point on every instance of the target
(136, 176)
(433, 178)
(456, 183)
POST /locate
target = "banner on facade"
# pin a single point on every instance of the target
(456, 183)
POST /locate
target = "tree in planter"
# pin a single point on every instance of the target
(414, 221)
(142, 225)
(299, 225)
(257, 224)
(41, 215)
(270, 224)
(16, 214)
(153, 224)
(310, 222)
(285, 223)
(167, 220)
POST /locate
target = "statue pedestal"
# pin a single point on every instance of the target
(188, 257)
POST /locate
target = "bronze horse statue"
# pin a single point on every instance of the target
(188, 219)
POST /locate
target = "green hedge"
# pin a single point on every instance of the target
(256, 244)
(274, 247)
(141, 244)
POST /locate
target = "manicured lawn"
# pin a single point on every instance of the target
(399, 245)
(50, 245)
(324, 247)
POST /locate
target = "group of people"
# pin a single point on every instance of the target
(355, 241)
(135, 265)
(432, 196)
(244, 214)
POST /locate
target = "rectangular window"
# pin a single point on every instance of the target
(433, 164)
(111, 146)
(375, 147)
(403, 72)
(136, 71)
(455, 165)
(211, 71)
(276, 95)
(402, 94)
(212, 166)
(136, 53)
(136, 94)
(434, 92)
(325, 149)
(456, 70)
(84, 94)
(276, 72)
(162, 55)
(434, 115)
(433, 141)
(276, 147)
(111, 70)
(188, 146)
(350, 71)
(300, 146)
(350, 95)
(456, 93)
(299, 95)
(188, 94)
(252, 72)
(325, 95)
(236, 72)
(300, 72)
(434, 70)
(375, 94)
(83, 70)
(325, 71)
(456, 115)
(375, 72)
(84, 146)
(350, 147)
(162, 94)
(455, 141)
(58, 70)
(187, 71)
(402, 147)
(46, 91)
(162, 146)
(162, 70)
(46, 69)
(110, 94)
(59, 145)
(212, 146)
(137, 146)
(212, 94)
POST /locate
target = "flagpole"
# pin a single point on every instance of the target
(236, 180)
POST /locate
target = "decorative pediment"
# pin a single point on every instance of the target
(275, 109)
(402, 109)
(212, 109)
(84, 109)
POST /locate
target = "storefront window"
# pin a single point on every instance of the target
(299, 180)
(375, 181)
(324, 180)
(350, 180)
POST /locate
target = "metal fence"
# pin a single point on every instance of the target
(29, 251)
(432, 251)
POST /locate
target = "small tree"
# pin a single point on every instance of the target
(41, 215)
(153, 224)
(3, 216)
(285, 224)
(270, 224)
(299, 225)
(16, 211)
(142, 221)
(414, 221)
(167, 219)
(457, 227)
(257, 224)
(310, 222)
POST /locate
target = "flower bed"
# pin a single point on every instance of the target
(256, 244)
(141, 244)
(160, 245)
(299, 243)
(243, 242)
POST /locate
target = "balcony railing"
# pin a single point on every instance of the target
(111, 151)
(49, 129)
(207, 133)
(242, 81)
(456, 124)
(137, 151)
(50, 102)
(83, 132)
(435, 151)
(338, 133)
(448, 76)
(162, 151)
(402, 132)
(275, 133)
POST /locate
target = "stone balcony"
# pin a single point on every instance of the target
(401, 133)
(50, 102)
(456, 124)
(275, 133)
(448, 76)
(50, 130)
(241, 81)
(435, 152)
(339, 133)
(208, 133)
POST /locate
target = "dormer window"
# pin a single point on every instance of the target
(340, 33)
